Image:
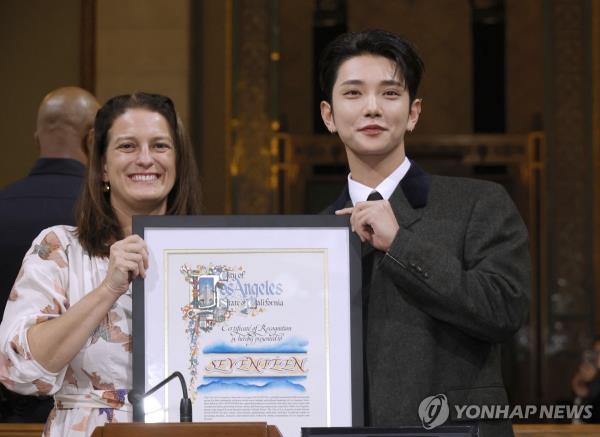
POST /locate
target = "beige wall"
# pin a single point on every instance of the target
(39, 43)
(144, 45)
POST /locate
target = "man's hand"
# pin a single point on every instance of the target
(374, 222)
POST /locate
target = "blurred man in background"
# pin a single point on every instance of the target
(44, 198)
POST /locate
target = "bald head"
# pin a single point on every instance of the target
(64, 120)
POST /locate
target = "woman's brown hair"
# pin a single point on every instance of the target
(97, 224)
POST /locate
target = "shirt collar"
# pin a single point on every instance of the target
(359, 192)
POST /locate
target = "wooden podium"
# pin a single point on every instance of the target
(256, 430)
(21, 429)
(547, 430)
(221, 429)
(261, 429)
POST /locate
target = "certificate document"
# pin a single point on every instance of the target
(260, 319)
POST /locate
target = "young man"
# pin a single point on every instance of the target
(446, 269)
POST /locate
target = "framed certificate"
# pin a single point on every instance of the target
(261, 314)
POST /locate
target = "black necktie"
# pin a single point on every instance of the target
(375, 196)
(368, 252)
(369, 258)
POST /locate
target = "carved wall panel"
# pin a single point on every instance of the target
(566, 306)
(251, 156)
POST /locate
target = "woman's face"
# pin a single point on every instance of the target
(140, 162)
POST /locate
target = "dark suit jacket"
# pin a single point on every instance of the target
(453, 286)
(46, 197)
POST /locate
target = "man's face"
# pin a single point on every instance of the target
(371, 110)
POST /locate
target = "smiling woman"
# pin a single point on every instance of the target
(67, 326)
(139, 167)
(137, 136)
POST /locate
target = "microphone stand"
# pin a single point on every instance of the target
(185, 406)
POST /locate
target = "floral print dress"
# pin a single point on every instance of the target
(92, 389)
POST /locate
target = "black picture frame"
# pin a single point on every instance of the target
(141, 223)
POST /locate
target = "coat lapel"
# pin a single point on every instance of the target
(411, 196)
(411, 193)
(407, 200)
(343, 201)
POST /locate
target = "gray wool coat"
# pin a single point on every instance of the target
(453, 286)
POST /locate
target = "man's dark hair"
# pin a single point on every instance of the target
(371, 42)
(97, 224)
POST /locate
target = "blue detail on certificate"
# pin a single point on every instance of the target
(291, 345)
(260, 384)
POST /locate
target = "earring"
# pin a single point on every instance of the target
(106, 187)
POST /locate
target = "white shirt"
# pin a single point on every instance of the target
(359, 192)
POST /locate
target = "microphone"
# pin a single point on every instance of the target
(185, 406)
